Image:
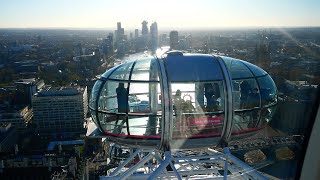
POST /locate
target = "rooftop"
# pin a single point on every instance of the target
(60, 91)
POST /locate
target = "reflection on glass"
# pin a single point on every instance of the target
(237, 69)
(198, 108)
(123, 72)
(198, 125)
(246, 94)
(112, 93)
(145, 70)
(268, 90)
(254, 69)
(113, 123)
(94, 93)
(135, 125)
(145, 98)
(245, 120)
(144, 125)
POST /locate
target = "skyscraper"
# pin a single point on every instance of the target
(174, 40)
(145, 35)
(154, 35)
(131, 35)
(145, 29)
(107, 46)
(136, 33)
(119, 33)
(118, 26)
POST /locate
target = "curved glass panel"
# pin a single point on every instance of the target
(268, 90)
(237, 68)
(114, 97)
(255, 69)
(146, 126)
(114, 124)
(246, 94)
(145, 98)
(244, 121)
(107, 73)
(94, 94)
(134, 126)
(94, 117)
(198, 109)
(198, 126)
(193, 68)
(145, 70)
(123, 72)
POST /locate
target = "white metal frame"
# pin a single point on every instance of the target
(222, 166)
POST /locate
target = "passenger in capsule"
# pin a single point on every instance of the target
(254, 101)
(122, 97)
(254, 98)
(244, 94)
(210, 94)
(123, 106)
(178, 102)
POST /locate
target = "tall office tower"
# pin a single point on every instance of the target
(154, 35)
(144, 30)
(174, 40)
(131, 35)
(119, 33)
(60, 112)
(107, 46)
(110, 45)
(164, 40)
(136, 33)
(118, 26)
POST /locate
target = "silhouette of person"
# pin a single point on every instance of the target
(244, 94)
(122, 97)
(209, 93)
(253, 101)
(123, 106)
(178, 102)
(254, 98)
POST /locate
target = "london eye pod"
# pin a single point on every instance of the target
(181, 100)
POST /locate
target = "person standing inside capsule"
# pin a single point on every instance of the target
(122, 98)
(244, 94)
(123, 107)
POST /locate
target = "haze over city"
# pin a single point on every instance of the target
(170, 14)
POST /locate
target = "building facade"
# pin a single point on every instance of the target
(19, 117)
(8, 137)
(60, 112)
(154, 35)
(144, 29)
(174, 40)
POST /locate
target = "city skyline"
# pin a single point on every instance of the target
(99, 14)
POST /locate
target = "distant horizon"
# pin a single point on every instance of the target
(159, 28)
(178, 14)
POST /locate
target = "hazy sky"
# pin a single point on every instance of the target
(167, 13)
